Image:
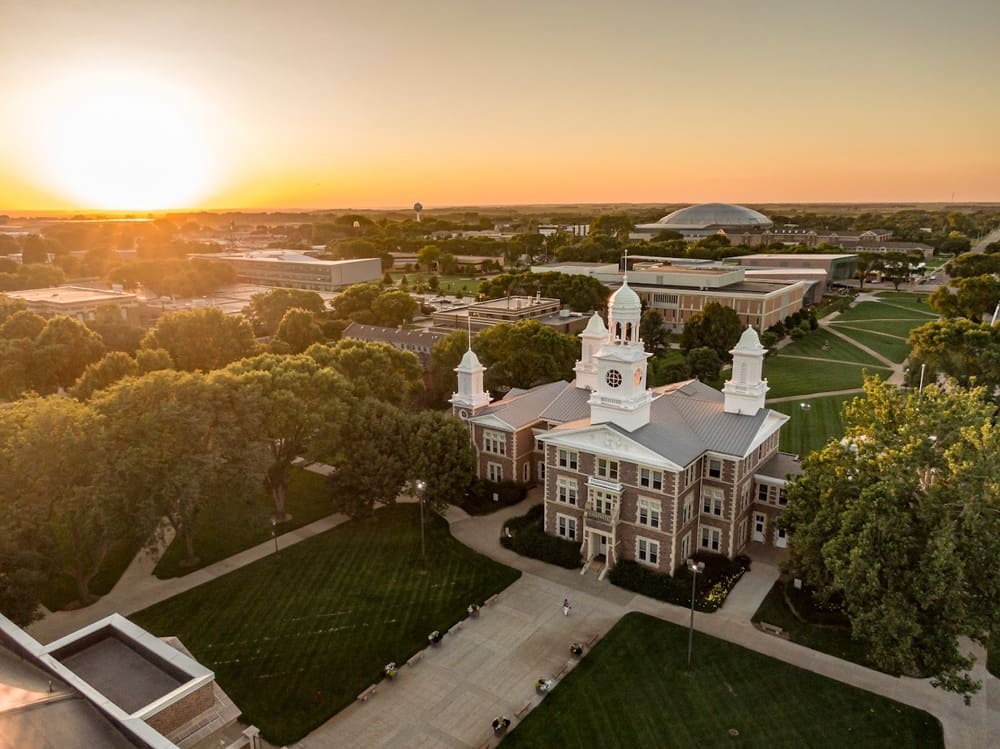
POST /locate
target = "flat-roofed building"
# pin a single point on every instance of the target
(512, 309)
(679, 290)
(73, 301)
(295, 270)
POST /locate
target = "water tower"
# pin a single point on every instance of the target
(418, 209)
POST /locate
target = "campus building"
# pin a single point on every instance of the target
(678, 290)
(705, 220)
(630, 472)
(75, 301)
(111, 684)
(512, 309)
(287, 269)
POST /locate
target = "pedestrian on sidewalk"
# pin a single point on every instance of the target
(566, 607)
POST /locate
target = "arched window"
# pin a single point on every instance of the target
(618, 331)
(628, 331)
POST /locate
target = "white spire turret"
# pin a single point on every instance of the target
(745, 392)
(591, 339)
(470, 396)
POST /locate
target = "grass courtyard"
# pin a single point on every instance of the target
(295, 637)
(450, 285)
(814, 429)
(632, 690)
(787, 376)
(219, 535)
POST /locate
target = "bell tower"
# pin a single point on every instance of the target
(621, 396)
(471, 397)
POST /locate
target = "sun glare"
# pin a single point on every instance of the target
(126, 143)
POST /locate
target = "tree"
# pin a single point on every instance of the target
(355, 299)
(394, 308)
(297, 331)
(902, 517)
(525, 354)
(116, 332)
(23, 324)
(10, 305)
(715, 326)
(957, 348)
(974, 264)
(867, 262)
(201, 339)
(102, 374)
(704, 363)
(446, 354)
(153, 359)
(428, 256)
(56, 463)
(896, 267)
(62, 351)
(976, 296)
(182, 440)
(265, 311)
(371, 464)
(652, 331)
(441, 456)
(296, 400)
(374, 370)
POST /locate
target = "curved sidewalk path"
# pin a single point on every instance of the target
(138, 587)
(488, 666)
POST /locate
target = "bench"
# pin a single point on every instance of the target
(416, 657)
(524, 709)
(771, 629)
(363, 697)
(561, 671)
(592, 640)
(492, 599)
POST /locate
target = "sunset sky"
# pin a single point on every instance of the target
(154, 104)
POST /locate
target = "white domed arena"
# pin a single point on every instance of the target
(706, 219)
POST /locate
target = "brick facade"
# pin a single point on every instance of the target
(187, 708)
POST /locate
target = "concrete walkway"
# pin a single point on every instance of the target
(489, 666)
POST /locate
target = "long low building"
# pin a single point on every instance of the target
(295, 270)
(678, 291)
(74, 301)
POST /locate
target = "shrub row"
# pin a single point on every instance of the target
(711, 588)
(528, 538)
(479, 497)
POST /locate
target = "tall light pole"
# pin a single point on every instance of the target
(420, 499)
(806, 408)
(695, 568)
(274, 533)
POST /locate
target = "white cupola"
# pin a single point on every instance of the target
(745, 392)
(620, 394)
(591, 339)
(470, 396)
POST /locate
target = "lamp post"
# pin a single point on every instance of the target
(420, 499)
(806, 408)
(695, 568)
(274, 533)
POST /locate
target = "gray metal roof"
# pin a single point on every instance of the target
(569, 405)
(781, 465)
(687, 418)
(525, 407)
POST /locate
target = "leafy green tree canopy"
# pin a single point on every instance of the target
(716, 327)
(902, 517)
(201, 339)
(266, 310)
(525, 354)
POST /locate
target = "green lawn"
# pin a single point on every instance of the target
(787, 376)
(218, 534)
(898, 328)
(837, 348)
(892, 348)
(632, 690)
(880, 311)
(59, 591)
(908, 299)
(822, 423)
(834, 641)
(295, 637)
(468, 285)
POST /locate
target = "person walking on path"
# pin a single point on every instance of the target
(566, 607)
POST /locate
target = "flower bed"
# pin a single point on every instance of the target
(711, 589)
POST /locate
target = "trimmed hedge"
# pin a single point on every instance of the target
(479, 497)
(529, 539)
(711, 588)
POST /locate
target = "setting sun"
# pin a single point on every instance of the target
(125, 143)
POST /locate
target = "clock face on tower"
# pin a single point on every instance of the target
(637, 376)
(613, 378)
